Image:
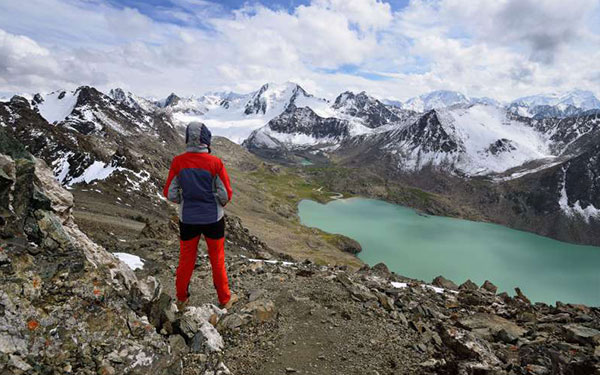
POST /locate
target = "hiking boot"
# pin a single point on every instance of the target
(233, 299)
(181, 305)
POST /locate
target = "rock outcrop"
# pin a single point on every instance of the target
(68, 305)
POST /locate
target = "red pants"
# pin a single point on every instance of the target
(188, 252)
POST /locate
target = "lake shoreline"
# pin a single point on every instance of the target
(368, 257)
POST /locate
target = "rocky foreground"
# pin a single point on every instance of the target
(69, 306)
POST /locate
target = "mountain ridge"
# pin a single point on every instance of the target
(463, 142)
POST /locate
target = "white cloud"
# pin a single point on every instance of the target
(503, 48)
(25, 64)
(367, 14)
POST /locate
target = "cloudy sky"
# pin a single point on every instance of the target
(392, 49)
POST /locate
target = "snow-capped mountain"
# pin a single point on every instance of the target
(298, 127)
(234, 115)
(475, 140)
(131, 100)
(487, 137)
(305, 128)
(90, 111)
(435, 99)
(365, 108)
(85, 135)
(441, 99)
(467, 136)
(190, 106)
(555, 105)
(577, 98)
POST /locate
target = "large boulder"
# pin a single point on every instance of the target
(468, 347)
(61, 294)
(196, 325)
(442, 282)
(194, 317)
(468, 285)
(489, 286)
(489, 326)
(580, 334)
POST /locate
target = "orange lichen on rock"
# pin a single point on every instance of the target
(32, 324)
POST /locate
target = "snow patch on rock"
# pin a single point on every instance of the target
(133, 261)
(57, 105)
(575, 210)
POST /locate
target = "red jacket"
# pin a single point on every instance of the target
(199, 182)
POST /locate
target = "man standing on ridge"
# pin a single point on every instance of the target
(198, 181)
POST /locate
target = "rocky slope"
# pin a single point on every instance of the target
(68, 306)
(99, 137)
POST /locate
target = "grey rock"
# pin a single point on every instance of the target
(486, 326)
(505, 337)
(467, 346)
(138, 326)
(521, 297)
(344, 280)
(581, 334)
(178, 345)
(197, 343)
(556, 318)
(433, 363)
(194, 317)
(12, 344)
(262, 310)
(256, 294)
(402, 319)
(489, 286)
(222, 369)
(232, 321)
(207, 339)
(386, 301)
(468, 285)
(18, 363)
(347, 244)
(442, 282)
(381, 269)
(537, 369)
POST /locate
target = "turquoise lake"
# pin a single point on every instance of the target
(424, 247)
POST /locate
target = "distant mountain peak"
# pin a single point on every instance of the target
(347, 96)
(436, 99)
(117, 94)
(273, 95)
(171, 100)
(364, 107)
(555, 104)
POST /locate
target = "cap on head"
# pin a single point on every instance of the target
(197, 134)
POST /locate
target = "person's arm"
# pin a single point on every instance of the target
(223, 186)
(172, 189)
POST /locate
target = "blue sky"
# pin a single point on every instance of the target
(393, 49)
(159, 10)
